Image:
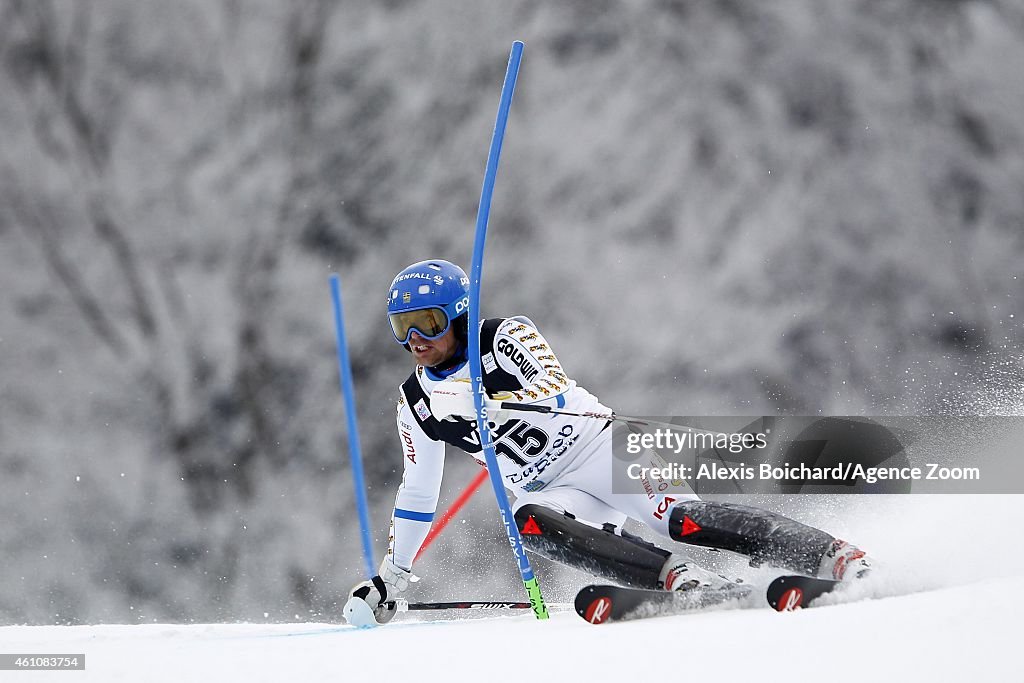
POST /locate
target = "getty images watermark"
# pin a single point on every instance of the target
(819, 455)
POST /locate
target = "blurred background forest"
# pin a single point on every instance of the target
(730, 207)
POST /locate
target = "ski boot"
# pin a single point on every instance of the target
(843, 562)
(682, 573)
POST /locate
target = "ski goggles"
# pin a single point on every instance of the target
(429, 323)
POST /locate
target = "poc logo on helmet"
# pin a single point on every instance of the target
(461, 305)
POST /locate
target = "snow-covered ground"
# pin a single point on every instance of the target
(946, 608)
(966, 632)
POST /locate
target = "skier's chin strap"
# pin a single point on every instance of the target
(453, 364)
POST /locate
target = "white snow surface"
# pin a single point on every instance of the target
(945, 606)
(961, 633)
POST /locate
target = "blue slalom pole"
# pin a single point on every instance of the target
(355, 452)
(540, 610)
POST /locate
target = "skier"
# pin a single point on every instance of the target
(559, 467)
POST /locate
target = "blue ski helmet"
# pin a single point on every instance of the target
(427, 297)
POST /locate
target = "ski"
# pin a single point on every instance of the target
(788, 593)
(599, 604)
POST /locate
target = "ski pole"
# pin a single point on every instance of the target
(475, 364)
(404, 606)
(355, 453)
(449, 514)
(532, 408)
